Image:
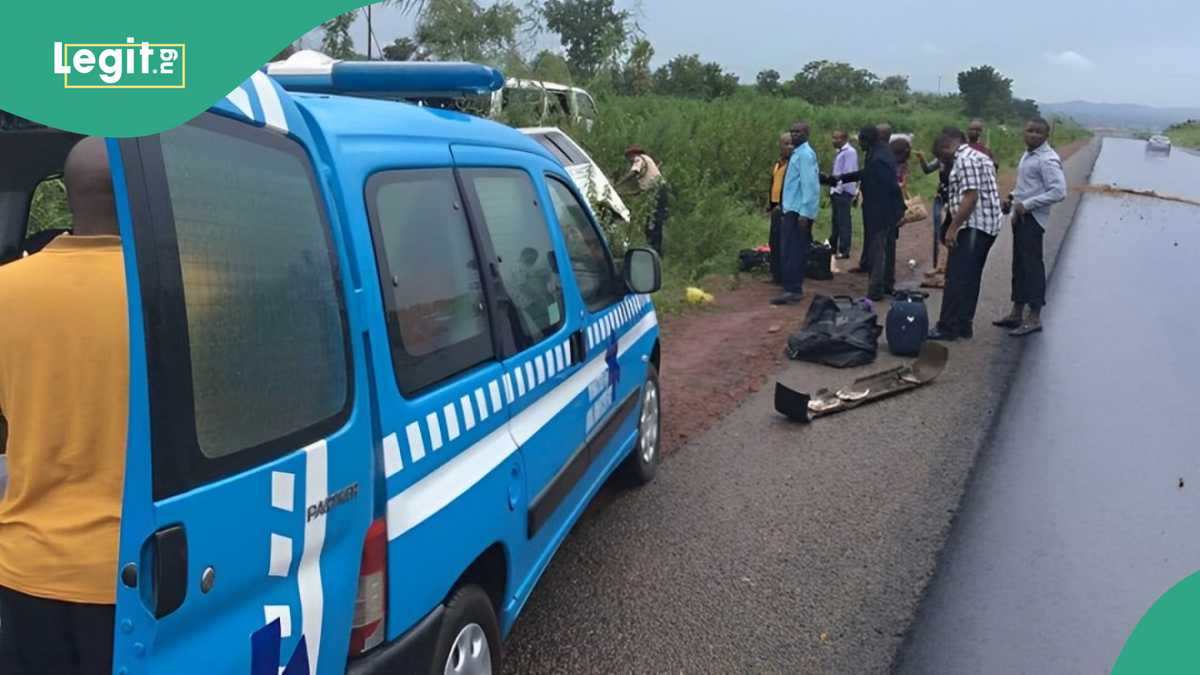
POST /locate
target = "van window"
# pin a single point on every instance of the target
(248, 347)
(521, 103)
(560, 103)
(568, 148)
(544, 141)
(508, 206)
(48, 208)
(587, 107)
(590, 261)
(429, 276)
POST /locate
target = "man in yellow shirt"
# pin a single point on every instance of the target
(64, 380)
(778, 170)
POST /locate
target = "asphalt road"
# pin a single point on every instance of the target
(767, 546)
(1076, 521)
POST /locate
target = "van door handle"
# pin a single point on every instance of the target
(165, 555)
(578, 347)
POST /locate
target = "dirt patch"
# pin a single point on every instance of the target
(713, 358)
(1120, 192)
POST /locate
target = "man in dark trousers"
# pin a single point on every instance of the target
(884, 132)
(801, 201)
(975, 213)
(774, 200)
(883, 209)
(1040, 184)
(842, 197)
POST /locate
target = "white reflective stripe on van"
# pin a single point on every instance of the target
(312, 594)
(268, 99)
(450, 481)
(241, 100)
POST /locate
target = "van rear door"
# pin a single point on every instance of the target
(249, 478)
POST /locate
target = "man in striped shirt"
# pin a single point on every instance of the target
(975, 213)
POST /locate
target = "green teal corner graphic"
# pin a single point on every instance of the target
(223, 42)
(1167, 639)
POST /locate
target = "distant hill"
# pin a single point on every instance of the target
(1121, 115)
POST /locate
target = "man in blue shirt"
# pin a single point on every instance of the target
(801, 199)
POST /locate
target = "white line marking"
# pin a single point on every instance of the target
(448, 482)
(284, 614)
(508, 388)
(281, 555)
(283, 490)
(434, 492)
(312, 594)
(468, 413)
(241, 100)
(558, 357)
(529, 375)
(416, 444)
(392, 462)
(520, 381)
(494, 390)
(540, 366)
(435, 431)
(268, 98)
(550, 369)
(451, 422)
(481, 403)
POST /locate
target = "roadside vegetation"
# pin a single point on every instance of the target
(1186, 135)
(714, 137)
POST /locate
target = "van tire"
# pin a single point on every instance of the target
(468, 614)
(642, 464)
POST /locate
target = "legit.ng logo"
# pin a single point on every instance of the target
(121, 65)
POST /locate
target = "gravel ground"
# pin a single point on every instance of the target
(766, 546)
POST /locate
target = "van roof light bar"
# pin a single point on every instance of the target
(314, 72)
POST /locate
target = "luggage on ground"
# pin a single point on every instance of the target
(841, 332)
(907, 323)
(820, 262)
(752, 258)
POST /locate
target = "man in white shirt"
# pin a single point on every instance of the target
(1041, 183)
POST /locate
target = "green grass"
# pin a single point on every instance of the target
(1185, 135)
(717, 156)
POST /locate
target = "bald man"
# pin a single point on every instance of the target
(64, 380)
(801, 201)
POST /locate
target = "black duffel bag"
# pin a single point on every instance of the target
(839, 332)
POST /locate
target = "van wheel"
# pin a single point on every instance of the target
(468, 642)
(642, 463)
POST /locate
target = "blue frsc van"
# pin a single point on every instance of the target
(381, 359)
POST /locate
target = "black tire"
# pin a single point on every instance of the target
(642, 464)
(468, 606)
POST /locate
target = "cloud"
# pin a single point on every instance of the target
(932, 49)
(1069, 58)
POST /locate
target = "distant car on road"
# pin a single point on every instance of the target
(588, 176)
(1159, 143)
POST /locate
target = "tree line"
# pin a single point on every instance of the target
(603, 48)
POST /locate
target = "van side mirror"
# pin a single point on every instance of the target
(643, 270)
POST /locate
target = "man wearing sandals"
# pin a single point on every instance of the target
(1040, 184)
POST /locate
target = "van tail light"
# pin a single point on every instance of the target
(370, 607)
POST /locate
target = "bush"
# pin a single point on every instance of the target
(716, 155)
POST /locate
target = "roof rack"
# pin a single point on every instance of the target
(314, 72)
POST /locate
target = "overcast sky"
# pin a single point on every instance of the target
(1099, 50)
